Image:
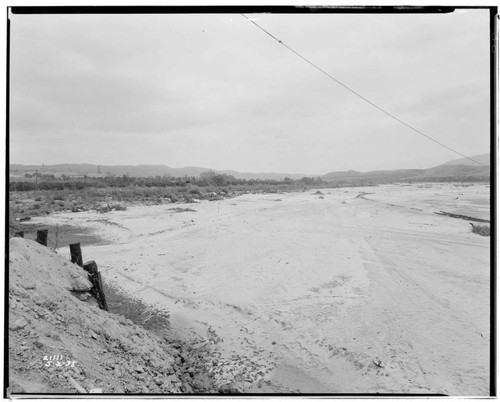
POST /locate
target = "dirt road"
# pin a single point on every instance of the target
(358, 290)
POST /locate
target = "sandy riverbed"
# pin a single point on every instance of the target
(350, 293)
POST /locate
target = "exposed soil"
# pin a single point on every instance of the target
(60, 342)
(354, 292)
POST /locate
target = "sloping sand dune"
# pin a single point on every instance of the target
(364, 290)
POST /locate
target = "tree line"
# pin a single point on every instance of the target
(206, 179)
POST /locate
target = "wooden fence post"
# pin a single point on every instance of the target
(95, 278)
(41, 236)
(91, 267)
(101, 291)
(76, 254)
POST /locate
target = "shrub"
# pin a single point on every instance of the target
(195, 191)
(172, 198)
(482, 230)
(119, 207)
(178, 209)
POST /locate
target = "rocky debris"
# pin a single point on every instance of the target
(111, 206)
(82, 296)
(80, 284)
(55, 336)
(378, 362)
(28, 285)
(78, 209)
(18, 323)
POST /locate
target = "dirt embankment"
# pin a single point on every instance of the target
(61, 342)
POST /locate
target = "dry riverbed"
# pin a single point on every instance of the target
(356, 290)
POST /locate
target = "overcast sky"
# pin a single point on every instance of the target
(214, 91)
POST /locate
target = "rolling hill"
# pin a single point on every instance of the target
(453, 170)
(483, 158)
(459, 169)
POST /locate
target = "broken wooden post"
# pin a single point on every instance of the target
(19, 234)
(97, 288)
(76, 254)
(41, 236)
(90, 267)
(101, 291)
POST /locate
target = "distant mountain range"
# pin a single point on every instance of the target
(459, 169)
(455, 169)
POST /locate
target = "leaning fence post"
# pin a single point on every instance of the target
(101, 291)
(76, 254)
(90, 267)
(95, 278)
(41, 236)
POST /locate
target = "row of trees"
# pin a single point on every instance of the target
(206, 179)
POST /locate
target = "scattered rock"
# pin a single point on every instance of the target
(201, 383)
(228, 389)
(81, 284)
(167, 384)
(122, 320)
(82, 296)
(18, 323)
(28, 285)
(15, 388)
(118, 390)
(56, 337)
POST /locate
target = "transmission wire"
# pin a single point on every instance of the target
(359, 95)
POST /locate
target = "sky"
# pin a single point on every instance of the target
(214, 91)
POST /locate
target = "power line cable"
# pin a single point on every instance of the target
(359, 95)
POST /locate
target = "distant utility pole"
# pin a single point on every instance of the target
(99, 169)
